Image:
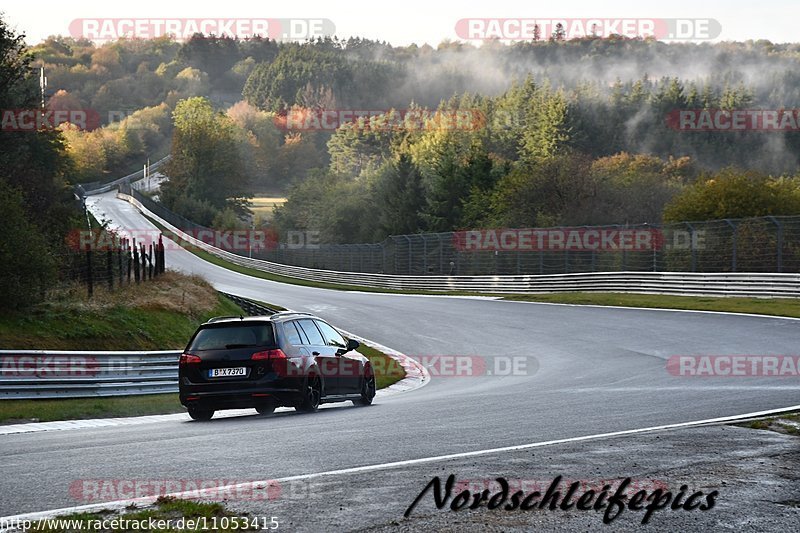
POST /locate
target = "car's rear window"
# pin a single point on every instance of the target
(233, 336)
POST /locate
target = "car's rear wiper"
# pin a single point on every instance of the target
(231, 346)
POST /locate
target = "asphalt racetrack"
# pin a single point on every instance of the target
(584, 371)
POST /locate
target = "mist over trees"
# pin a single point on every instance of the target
(565, 132)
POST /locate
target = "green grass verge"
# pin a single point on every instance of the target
(387, 370)
(175, 513)
(762, 306)
(16, 411)
(787, 423)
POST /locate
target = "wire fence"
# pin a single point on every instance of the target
(109, 261)
(764, 244)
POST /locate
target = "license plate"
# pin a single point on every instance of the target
(227, 372)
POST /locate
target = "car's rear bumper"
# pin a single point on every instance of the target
(239, 395)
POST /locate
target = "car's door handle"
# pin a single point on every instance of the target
(314, 353)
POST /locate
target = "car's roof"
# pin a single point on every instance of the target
(277, 317)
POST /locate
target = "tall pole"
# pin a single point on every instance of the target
(42, 83)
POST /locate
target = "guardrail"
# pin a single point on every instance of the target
(35, 374)
(32, 374)
(763, 285)
(249, 306)
(88, 189)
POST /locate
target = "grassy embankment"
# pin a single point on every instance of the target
(157, 315)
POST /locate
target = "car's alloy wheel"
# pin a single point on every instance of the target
(312, 395)
(367, 388)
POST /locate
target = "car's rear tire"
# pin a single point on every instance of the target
(200, 414)
(266, 408)
(312, 396)
(367, 388)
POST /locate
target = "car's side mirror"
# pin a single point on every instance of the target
(352, 344)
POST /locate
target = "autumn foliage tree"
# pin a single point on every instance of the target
(206, 168)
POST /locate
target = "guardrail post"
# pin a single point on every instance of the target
(143, 255)
(162, 254)
(150, 261)
(119, 262)
(128, 259)
(779, 256)
(135, 261)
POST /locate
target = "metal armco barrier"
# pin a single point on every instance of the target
(763, 285)
(249, 306)
(32, 374)
(87, 189)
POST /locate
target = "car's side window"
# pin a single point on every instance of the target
(311, 331)
(292, 335)
(332, 337)
(302, 333)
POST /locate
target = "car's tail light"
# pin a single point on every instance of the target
(278, 360)
(188, 359)
(269, 354)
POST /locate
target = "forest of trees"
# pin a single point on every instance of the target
(571, 132)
